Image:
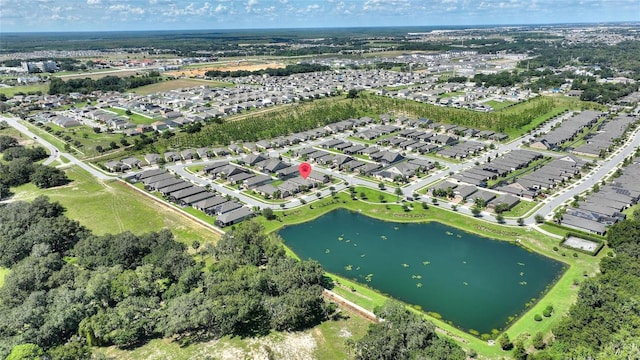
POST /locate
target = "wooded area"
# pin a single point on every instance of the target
(107, 83)
(286, 71)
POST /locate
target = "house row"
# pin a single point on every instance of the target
(608, 134)
(567, 130)
(545, 177)
(405, 170)
(480, 174)
(462, 150)
(125, 164)
(183, 193)
(605, 207)
(469, 193)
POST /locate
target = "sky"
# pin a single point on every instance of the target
(120, 15)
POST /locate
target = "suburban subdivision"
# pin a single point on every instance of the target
(473, 193)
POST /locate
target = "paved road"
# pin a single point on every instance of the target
(55, 153)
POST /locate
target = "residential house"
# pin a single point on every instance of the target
(234, 217)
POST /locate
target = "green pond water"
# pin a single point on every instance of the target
(471, 281)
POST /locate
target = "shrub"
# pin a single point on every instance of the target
(538, 341)
(505, 342)
(537, 317)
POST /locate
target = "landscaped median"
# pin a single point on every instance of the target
(560, 295)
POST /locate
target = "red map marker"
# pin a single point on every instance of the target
(305, 170)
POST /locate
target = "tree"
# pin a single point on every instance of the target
(475, 210)
(519, 352)
(352, 94)
(76, 349)
(268, 213)
(25, 352)
(398, 193)
(499, 218)
(381, 185)
(539, 219)
(538, 341)
(7, 142)
(520, 221)
(46, 176)
(5, 192)
(505, 343)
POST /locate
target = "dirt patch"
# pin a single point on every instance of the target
(199, 72)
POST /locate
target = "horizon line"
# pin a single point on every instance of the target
(630, 22)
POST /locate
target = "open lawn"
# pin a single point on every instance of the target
(134, 117)
(521, 209)
(177, 84)
(373, 195)
(561, 295)
(113, 207)
(26, 89)
(497, 105)
(88, 138)
(3, 273)
(452, 94)
(100, 74)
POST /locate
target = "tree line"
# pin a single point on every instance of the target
(107, 83)
(286, 71)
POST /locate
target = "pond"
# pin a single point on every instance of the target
(473, 282)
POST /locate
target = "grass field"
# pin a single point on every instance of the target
(101, 74)
(135, 118)
(3, 273)
(176, 84)
(497, 105)
(26, 89)
(113, 207)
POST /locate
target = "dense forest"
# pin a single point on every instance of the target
(286, 71)
(107, 83)
(125, 289)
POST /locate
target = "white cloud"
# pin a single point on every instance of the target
(220, 8)
(94, 2)
(250, 5)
